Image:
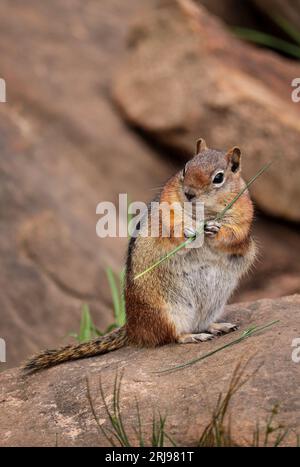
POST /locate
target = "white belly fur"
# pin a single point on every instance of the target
(202, 283)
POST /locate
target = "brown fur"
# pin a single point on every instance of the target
(149, 319)
(112, 341)
(234, 236)
(148, 326)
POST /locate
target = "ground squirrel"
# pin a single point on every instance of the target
(181, 300)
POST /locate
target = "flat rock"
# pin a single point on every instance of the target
(52, 408)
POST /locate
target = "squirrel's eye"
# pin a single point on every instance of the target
(218, 178)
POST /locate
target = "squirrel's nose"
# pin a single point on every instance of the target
(189, 194)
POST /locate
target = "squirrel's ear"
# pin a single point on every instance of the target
(234, 158)
(200, 145)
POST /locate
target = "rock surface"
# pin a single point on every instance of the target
(186, 76)
(51, 407)
(64, 149)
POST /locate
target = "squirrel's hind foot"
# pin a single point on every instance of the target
(194, 338)
(221, 328)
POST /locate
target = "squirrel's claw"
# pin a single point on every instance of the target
(194, 338)
(221, 328)
(211, 228)
(189, 232)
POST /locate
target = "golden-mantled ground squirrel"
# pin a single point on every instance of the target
(181, 300)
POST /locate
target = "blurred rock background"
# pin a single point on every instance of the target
(107, 97)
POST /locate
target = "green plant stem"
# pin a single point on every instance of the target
(164, 258)
(200, 231)
(114, 291)
(268, 40)
(287, 28)
(248, 333)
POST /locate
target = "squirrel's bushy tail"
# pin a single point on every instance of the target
(101, 345)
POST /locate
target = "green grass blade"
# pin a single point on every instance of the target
(245, 335)
(280, 437)
(161, 260)
(95, 331)
(217, 433)
(87, 330)
(139, 431)
(122, 312)
(73, 334)
(172, 441)
(287, 28)
(162, 423)
(200, 231)
(110, 328)
(269, 41)
(118, 414)
(154, 438)
(115, 428)
(85, 325)
(247, 185)
(114, 291)
(99, 426)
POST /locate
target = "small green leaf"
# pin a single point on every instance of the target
(110, 328)
(287, 28)
(85, 332)
(114, 291)
(73, 334)
(121, 319)
(269, 41)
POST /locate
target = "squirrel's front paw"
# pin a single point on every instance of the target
(189, 232)
(211, 228)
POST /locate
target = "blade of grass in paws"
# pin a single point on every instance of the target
(218, 217)
(245, 335)
(164, 258)
(248, 184)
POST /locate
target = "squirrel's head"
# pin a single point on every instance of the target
(211, 175)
